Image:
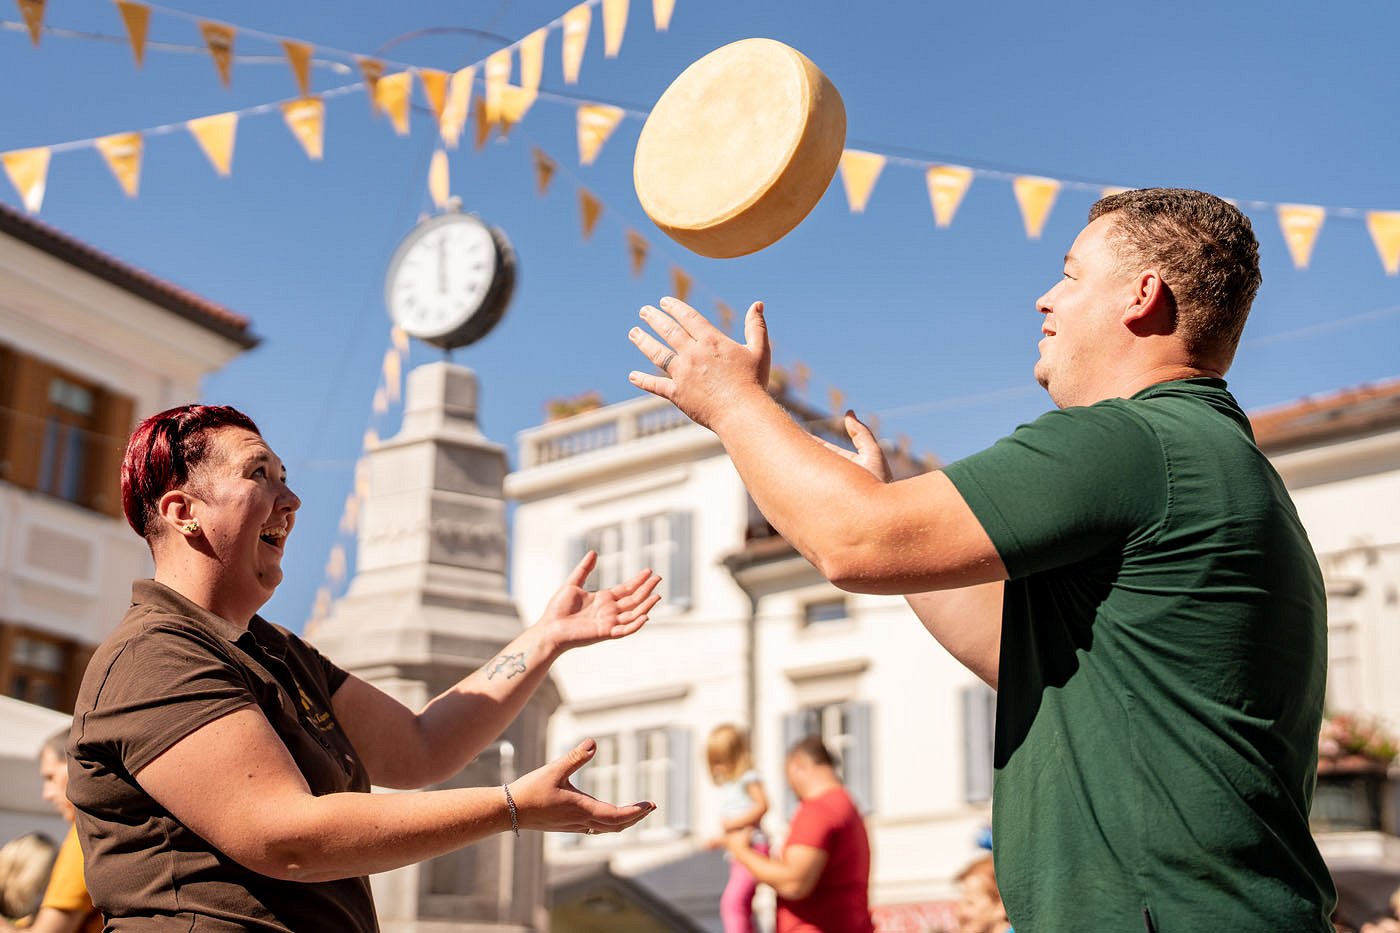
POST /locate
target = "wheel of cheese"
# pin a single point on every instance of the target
(740, 148)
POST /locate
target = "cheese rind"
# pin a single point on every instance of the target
(740, 148)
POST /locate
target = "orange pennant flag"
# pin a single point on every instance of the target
(637, 248)
(836, 397)
(123, 154)
(399, 338)
(544, 170)
(483, 125)
(590, 209)
(726, 316)
(435, 89)
(439, 185)
(596, 123)
(335, 564)
(373, 71)
(299, 57)
(498, 66)
(393, 369)
(1036, 196)
(215, 136)
(614, 25)
(350, 515)
(219, 38)
(576, 25)
(1385, 233)
(458, 106)
(801, 375)
(33, 13)
(392, 94)
(306, 118)
(680, 283)
(858, 173)
(28, 170)
(1300, 224)
(946, 186)
(371, 441)
(515, 102)
(137, 17)
(661, 11)
(362, 466)
(532, 59)
(381, 403)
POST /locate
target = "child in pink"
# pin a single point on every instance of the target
(742, 805)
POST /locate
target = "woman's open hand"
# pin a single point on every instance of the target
(577, 617)
(547, 800)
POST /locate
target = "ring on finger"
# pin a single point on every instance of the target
(665, 364)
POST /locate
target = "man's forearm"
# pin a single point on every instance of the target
(767, 870)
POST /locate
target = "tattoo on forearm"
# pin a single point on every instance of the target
(511, 664)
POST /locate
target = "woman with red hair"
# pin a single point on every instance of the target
(221, 765)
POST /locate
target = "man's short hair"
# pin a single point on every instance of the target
(1205, 250)
(811, 748)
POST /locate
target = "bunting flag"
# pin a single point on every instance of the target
(299, 57)
(306, 118)
(498, 66)
(123, 154)
(322, 607)
(532, 59)
(858, 173)
(614, 25)
(590, 209)
(381, 403)
(373, 71)
(514, 104)
(1035, 196)
(946, 186)
(544, 170)
(393, 369)
(219, 38)
(576, 25)
(439, 185)
(362, 467)
(1385, 233)
(836, 398)
(637, 249)
(1300, 224)
(215, 136)
(399, 338)
(392, 94)
(801, 375)
(28, 170)
(458, 106)
(33, 13)
(371, 441)
(596, 123)
(435, 89)
(137, 17)
(350, 515)
(661, 11)
(726, 316)
(335, 564)
(680, 283)
(483, 125)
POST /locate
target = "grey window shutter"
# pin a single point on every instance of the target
(795, 726)
(857, 768)
(979, 730)
(679, 806)
(678, 586)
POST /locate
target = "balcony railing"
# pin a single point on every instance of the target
(597, 430)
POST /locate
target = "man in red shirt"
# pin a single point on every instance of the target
(823, 877)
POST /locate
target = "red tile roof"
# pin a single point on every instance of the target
(208, 314)
(1312, 420)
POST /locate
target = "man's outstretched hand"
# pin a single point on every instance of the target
(707, 374)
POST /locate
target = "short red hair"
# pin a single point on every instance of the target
(163, 451)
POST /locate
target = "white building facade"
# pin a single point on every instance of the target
(87, 345)
(748, 633)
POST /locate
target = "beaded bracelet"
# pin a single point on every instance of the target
(510, 802)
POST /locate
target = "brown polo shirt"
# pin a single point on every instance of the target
(170, 668)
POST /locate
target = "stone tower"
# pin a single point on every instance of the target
(427, 606)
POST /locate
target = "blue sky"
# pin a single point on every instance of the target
(932, 329)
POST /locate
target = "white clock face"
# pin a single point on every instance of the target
(441, 276)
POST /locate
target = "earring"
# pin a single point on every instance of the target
(191, 526)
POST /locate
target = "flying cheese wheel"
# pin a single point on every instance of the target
(740, 148)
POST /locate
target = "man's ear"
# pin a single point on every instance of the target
(1151, 310)
(176, 510)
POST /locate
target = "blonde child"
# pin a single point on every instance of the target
(743, 804)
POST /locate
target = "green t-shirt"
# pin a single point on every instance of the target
(1163, 658)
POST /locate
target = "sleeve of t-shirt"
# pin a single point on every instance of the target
(167, 681)
(1069, 485)
(750, 777)
(67, 889)
(812, 826)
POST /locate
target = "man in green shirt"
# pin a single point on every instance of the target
(1128, 570)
